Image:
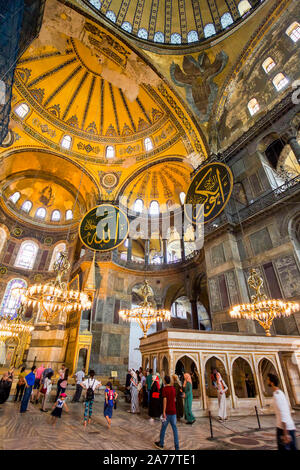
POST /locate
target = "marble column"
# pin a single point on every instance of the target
(195, 323)
(165, 250)
(147, 249)
(129, 249)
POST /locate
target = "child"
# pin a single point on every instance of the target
(46, 390)
(110, 396)
(57, 408)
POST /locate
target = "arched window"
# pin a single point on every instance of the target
(66, 142)
(111, 16)
(41, 213)
(15, 197)
(96, 3)
(26, 255)
(55, 254)
(110, 152)
(69, 214)
(55, 217)
(268, 64)
(22, 110)
(293, 31)
(226, 20)
(175, 38)
(159, 37)
(148, 144)
(154, 208)
(11, 302)
(138, 205)
(209, 30)
(253, 106)
(2, 238)
(127, 26)
(26, 206)
(182, 197)
(192, 36)
(280, 81)
(243, 7)
(142, 33)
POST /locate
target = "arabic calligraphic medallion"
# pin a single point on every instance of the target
(209, 192)
(104, 228)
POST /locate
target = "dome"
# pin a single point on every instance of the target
(173, 22)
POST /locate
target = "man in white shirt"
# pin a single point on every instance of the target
(286, 437)
(90, 386)
(79, 376)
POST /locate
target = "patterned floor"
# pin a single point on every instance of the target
(32, 430)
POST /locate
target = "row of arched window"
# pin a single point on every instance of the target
(154, 208)
(41, 211)
(209, 29)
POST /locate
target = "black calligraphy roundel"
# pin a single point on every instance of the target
(209, 192)
(104, 228)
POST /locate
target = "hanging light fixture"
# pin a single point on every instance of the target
(145, 315)
(54, 297)
(262, 309)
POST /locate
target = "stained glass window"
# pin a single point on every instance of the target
(175, 38)
(111, 16)
(55, 215)
(69, 214)
(142, 33)
(226, 20)
(10, 302)
(26, 206)
(15, 197)
(55, 255)
(209, 30)
(127, 26)
(26, 255)
(22, 110)
(293, 31)
(41, 213)
(148, 144)
(192, 36)
(159, 37)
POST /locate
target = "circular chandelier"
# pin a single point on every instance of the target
(145, 315)
(54, 297)
(262, 309)
(11, 327)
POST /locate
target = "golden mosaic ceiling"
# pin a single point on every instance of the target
(172, 22)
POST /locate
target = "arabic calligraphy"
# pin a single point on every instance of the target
(104, 228)
(209, 192)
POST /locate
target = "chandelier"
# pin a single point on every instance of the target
(11, 327)
(262, 309)
(54, 297)
(145, 315)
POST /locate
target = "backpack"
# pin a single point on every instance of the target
(90, 392)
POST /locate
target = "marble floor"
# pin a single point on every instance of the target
(32, 430)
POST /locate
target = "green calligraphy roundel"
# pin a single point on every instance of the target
(104, 228)
(209, 192)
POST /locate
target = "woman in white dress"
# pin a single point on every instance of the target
(134, 391)
(221, 389)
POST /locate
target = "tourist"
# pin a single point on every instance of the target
(149, 381)
(285, 426)
(61, 374)
(127, 387)
(188, 400)
(134, 393)
(63, 382)
(155, 399)
(110, 397)
(168, 414)
(5, 386)
(179, 396)
(90, 386)
(37, 383)
(29, 382)
(20, 385)
(58, 407)
(143, 392)
(47, 371)
(222, 388)
(79, 376)
(46, 390)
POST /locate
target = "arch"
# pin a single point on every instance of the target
(10, 302)
(26, 255)
(15, 197)
(55, 216)
(192, 36)
(209, 30)
(265, 367)
(138, 205)
(66, 142)
(26, 206)
(110, 152)
(41, 213)
(69, 214)
(186, 363)
(273, 152)
(154, 208)
(226, 20)
(165, 367)
(214, 362)
(148, 144)
(159, 37)
(22, 110)
(55, 254)
(243, 379)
